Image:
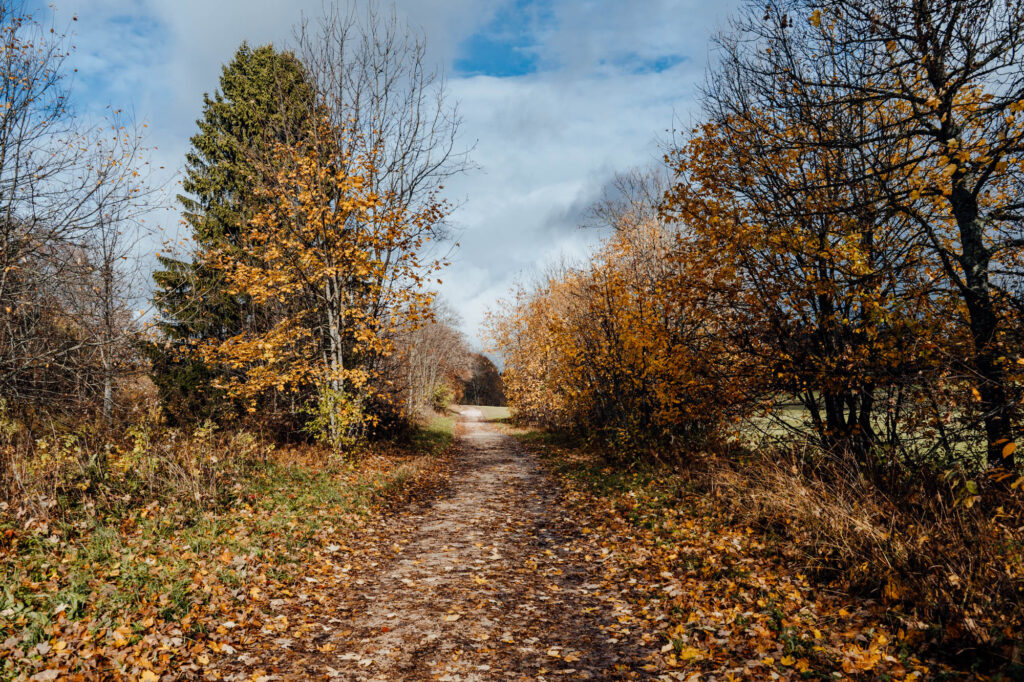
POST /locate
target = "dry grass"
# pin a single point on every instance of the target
(99, 534)
(941, 558)
(947, 555)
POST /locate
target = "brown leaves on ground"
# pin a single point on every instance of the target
(485, 582)
(164, 591)
(514, 572)
(728, 601)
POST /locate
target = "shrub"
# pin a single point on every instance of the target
(946, 553)
(441, 397)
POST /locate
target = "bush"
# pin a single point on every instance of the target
(947, 553)
(441, 397)
(90, 467)
(336, 419)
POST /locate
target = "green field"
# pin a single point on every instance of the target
(492, 413)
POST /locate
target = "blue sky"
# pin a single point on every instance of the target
(507, 45)
(555, 97)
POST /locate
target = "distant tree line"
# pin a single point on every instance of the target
(481, 383)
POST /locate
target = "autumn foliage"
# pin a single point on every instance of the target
(837, 253)
(629, 344)
(827, 290)
(790, 371)
(313, 256)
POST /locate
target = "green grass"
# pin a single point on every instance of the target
(434, 436)
(113, 566)
(113, 571)
(791, 419)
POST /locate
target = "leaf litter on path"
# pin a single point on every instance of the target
(491, 580)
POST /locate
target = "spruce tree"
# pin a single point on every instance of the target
(263, 98)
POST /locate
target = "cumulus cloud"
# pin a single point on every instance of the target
(595, 86)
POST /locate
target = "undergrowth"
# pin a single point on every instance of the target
(938, 578)
(130, 556)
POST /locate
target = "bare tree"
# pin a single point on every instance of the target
(112, 243)
(631, 197)
(430, 357)
(371, 76)
(65, 188)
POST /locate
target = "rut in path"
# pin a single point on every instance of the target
(494, 583)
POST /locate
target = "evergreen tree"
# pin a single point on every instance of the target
(264, 98)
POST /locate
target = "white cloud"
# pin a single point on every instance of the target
(546, 148)
(545, 142)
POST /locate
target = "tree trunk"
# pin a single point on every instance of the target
(108, 393)
(984, 323)
(336, 361)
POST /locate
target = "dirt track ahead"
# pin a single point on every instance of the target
(492, 581)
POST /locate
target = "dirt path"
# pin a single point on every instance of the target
(490, 582)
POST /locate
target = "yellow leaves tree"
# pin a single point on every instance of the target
(340, 264)
(931, 94)
(830, 293)
(629, 345)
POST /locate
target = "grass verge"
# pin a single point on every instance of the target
(729, 561)
(155, 565)
(435, 435)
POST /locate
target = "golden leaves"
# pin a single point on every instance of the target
(336, 258)
(636, 322)
(724, 597)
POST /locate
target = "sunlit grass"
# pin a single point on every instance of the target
(493, 413)
(114, 566)
(435, 435)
